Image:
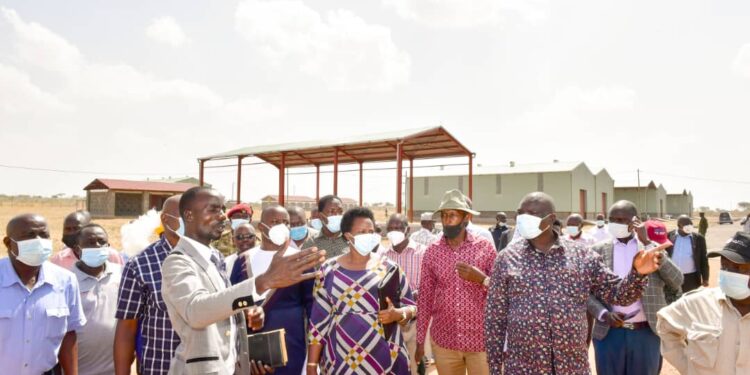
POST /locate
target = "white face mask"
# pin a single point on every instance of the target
(734, 285)
(572, 230)
(528, 226)
(94, 256)
(619, 230)
(365, 243)
(687, 229)
(334, 223)
(316, 224)
(237, 222)
(278, 234)
(34, 252)
(600, 223)
(396, 237)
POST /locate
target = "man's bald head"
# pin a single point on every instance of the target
(574, 220)
(684, 220)
(172, 205)
(397, 222)
(623, 208)
(296, 213)
(537, 204)
(269, 213)
(24, 227)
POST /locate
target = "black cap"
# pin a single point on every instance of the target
(737, 249)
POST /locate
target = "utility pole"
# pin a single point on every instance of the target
(640, 206)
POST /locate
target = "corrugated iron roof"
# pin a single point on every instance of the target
(128, 185)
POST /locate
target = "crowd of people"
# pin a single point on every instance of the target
(525, 299)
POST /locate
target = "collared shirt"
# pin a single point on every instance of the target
(33, 323)
(536, 308)
(410, 260)
(480, 232)
(259, 261)
(140, 298)
(622, 262)
(682, 255)
(67, 259)
(584, 239)
(334, 246)
(702, 333)
(99, 300)
(424, 237)
(599, 234)
(456, 306)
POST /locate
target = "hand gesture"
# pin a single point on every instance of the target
(614, 319)
(285, 271)
(390, 314)
(470, 273)
(640, 230)
(649, 261)
(255, 317)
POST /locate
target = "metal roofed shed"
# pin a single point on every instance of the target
(115, 198)
(422, 143)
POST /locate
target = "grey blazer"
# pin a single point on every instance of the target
(200, 306)
(653, 297)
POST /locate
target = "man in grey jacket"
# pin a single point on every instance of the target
(625, 340)
(208, 314)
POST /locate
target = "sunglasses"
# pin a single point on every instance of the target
(242, 237)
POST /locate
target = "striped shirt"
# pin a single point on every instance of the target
(410, 260)
(140, 298)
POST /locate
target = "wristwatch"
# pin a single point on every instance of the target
(486, 282)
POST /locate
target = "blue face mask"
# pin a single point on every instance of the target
(33, 252)
(316, 224)
(298, 233)
(334, 223)
(95, 256)
(237, 222)
(366, 243)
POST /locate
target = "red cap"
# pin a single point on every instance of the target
(657, 232)
(239, 208)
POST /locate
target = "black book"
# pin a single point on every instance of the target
(269, 348)
(390, 287)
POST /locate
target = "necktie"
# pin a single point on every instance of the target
(220, 266)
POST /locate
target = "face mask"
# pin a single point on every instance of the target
(298, 233)
(34, 252)
(618, 230)
(94, 257)
(237, 222)
(452, 231)
(316, 224)
(70, 240)
(366, 243)
(528, 226)
(180, 230)
(600, 223)
(572, 231)
(734, 284)
(278, 234)
(334, 223)
(396, 237)
(687, 229)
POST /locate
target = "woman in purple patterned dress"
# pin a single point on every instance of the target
(346, 323)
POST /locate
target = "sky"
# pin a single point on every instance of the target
(141, 89)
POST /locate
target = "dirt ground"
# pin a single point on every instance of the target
(55, 213)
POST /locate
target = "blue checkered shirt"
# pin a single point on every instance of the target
(140, 298)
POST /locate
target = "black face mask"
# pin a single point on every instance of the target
(452, 231)
(70, 240)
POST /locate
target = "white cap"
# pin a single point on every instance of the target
(427, 216)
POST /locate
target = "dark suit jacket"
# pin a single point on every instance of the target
(505, 238)
(699, 252)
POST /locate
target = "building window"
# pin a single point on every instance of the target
(498, 184)
(540, 182)
(426, 185)
(461, 183)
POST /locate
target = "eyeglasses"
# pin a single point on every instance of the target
(242, 237)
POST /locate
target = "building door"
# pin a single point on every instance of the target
(156, 201)
(604, 204)
(661, 207)
(582, 202)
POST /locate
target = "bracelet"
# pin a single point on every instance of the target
(312, 365)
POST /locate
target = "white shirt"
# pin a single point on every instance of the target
(206, 252)
(481, 232)
(259, 261)
(424, 237)
(622, 262)
(682, 255)
(599, 234)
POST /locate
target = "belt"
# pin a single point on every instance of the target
(635, 325)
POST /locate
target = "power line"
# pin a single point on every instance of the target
(86, 172)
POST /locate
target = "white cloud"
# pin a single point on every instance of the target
(469, 13)
(741, 63)
(166, 30)
(339, 48)
(19, 94)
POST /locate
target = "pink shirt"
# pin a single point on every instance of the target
(410, 260)
(67, 259)
(622, 262)
(455, 306)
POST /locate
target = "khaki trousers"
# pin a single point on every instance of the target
(452, 362)
(410, 338)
